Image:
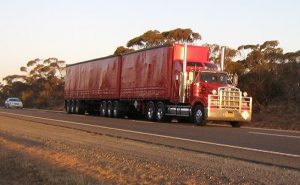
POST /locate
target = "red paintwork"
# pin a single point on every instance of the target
(204, 90)
(195, 53)
(146, 75)
(93, 79)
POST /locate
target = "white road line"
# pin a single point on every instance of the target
(161, 136)
(140, 121)
(44, 110)
(278, 135)
(270, 129)
(243, 127)
(219, 125)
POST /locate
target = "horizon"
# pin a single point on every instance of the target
(84, 31)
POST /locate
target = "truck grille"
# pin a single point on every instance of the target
(229, 98)
(230, 105)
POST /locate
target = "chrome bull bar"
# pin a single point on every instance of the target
(229, 105)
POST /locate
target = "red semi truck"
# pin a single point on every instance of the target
(172, 81)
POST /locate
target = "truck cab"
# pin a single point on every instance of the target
(206, 92)
(217, 99)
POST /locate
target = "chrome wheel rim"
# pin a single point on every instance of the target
(199, 115)
(150, 113)
(159, 114)
(76, 108)
(115, 113)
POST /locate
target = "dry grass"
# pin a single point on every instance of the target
(21, 164)
(32, 153)
(279, 117)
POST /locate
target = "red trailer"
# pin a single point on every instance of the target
(161, 83)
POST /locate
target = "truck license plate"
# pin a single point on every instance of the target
(229, 115)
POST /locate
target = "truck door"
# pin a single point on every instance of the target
(177, 70)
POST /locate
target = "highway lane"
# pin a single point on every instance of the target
(274, 147)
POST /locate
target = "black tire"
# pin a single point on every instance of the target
(69, 107)
(198, 115)
(109, 109)
(76, 107)
(66, 106)
(235, 124)
(117, 110)
(103, 108)
(150, 111)
(161, 113)
(73, 107)
(81, 107)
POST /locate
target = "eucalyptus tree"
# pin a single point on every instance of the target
(41, 84)
(153, 38)
(121, 50)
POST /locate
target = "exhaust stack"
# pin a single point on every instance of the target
(222, 57)
(183, 77)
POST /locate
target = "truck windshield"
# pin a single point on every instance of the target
(194, 64)
(209, 65)
(214, 77)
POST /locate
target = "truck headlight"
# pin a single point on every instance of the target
(245, 94)
(214, 92)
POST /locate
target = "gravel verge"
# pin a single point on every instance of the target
(55, 155)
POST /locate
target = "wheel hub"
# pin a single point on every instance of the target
(199, 115)
(150, 113)
(159, 113)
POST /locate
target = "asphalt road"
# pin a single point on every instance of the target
(266, 146)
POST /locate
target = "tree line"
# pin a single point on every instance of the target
(40, 85)
(265, 71)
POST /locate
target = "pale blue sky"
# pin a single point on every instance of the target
(77, 30)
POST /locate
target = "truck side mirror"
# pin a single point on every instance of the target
(191, 76)
(235, 80)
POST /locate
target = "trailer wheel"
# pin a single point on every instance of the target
(81, 108)
(150, 111)
(69, 107)
(161, 113)
(72, 106)
(198, 115)
(109, 109)
(103, 108)
(66, 106)
(235, 124)
(76, 107)
(117, 112)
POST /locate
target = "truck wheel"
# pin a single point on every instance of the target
(103, 108)
(161, 113)
(109, 109)
(198, 115)
(150, 111)
(235, 124)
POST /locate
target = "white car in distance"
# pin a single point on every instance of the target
(13, 103)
